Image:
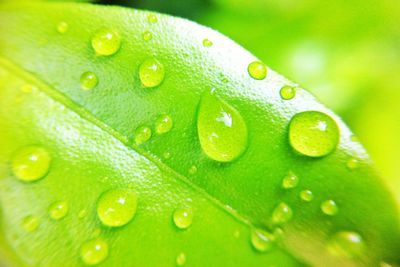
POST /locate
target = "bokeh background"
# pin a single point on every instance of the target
(346, 52)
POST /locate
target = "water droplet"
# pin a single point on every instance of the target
(117, 207)
(167, 155)
(106, 42)
(262, 240)
(221, 129)
(183, 217)
(147, 36)
(88, 80)
(329, 207)
(288, 92)
(192, 169)
(31, 163)
(306, 195)
(152, 18)
(30, 223)
(164, 124)
(142, 134)
(207, 43)
(290, 181)
(151, 73)
(58, 210)
(62, 27)
(347, 244)
(94, 251)
(282, 214)
(181, 259)
(352, 164)
(82, 214)
(236, 233)
(257, 70)
(313, 133)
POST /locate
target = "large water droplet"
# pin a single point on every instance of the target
(221, 129)
(142, 134)
(58, 210)
(31, 163)
(261, 240)
(106, 42)
(282, 213)
(88, 80)
(329, 207)
(117, 207)
(287, 92)
(207, 43)
(347, 244)
(183, 217)
(290, 181)
(94, 251)
(30, 223)
(181, 259)
(62, 27)
(151, 72)
(313, 133)
(257, 70)
(306, 195)
(164, 124)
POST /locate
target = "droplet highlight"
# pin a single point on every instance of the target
(221, 129)
(313, 134)
(262, 241)
(117, 207)
(164, 124)
(329, 207)
(88, 80)
(151, 73)
(94, 251)
(290, 181)
(58, 210)
(106, 42)
(183, 217)
(282, 214)
(287, 92)
(347, 244)
(31, 163)
(257, 70)
(142, 134)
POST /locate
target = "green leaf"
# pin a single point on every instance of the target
(105, 127)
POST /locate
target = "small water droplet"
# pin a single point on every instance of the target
(329, 207)
(282, 214)
(94, 251)
(106, 42)
(58, 210)
(257, 70)
(306, 195)
(290, 181)
(88, 80)
(82, 214)
(221, 129)
(62, 27)
(147, 35)
(207, 43)
(352, 164)
(142, 134)
(183, 217)
(192, 169)
(313, 133)
(151, 72)
(164, 124)
(31, 163)
(236, 233)
(30, 223)
(117, 207)
(181, 259)
(152, 18)
(346, 244)
(167, 155)
(288, 92)
(262, 240)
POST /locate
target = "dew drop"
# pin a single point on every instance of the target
(167, 155)
(288, 92)
(347, 244)
(94, 251)
(30, 223)
(282, 214)
(236, 233)
(262, 241)
(183, 217)
(207, 43)
(152, 18)
(142, 134)
(106, 42)
(117, 207)
(88, 80)
(147, 36)
(257, 70)
(164, 124)
(306, 195)
(58, 210)
(329, 207)
(290, 181)
(313, 133)
(192, 169)
(31, 163)
(151, 73)
(352, 164)
(181, 259)
(221, 129)
(62, 27)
